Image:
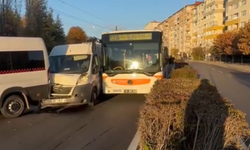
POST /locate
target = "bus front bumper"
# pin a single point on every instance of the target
(125, 91)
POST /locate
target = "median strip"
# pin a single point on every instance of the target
(185, 111)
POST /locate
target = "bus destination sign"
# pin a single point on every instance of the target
(130, 37)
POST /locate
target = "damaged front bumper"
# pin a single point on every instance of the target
(62, 102)
(80, 95)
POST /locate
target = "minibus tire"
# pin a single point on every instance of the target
(93, 99)
(5, 110)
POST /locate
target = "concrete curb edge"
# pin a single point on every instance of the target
(135, 142)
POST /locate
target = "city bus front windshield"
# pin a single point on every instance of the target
(132, 56)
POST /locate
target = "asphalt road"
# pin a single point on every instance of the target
(111, 125)
(232, 84)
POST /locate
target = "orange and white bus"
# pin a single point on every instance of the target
(132, 61)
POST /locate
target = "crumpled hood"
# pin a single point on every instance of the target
(64, 79)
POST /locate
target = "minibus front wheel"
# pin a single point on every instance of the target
(13, 106)
(93, 100)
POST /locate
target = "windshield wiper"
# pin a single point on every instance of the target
(128, 71)
(141, 71)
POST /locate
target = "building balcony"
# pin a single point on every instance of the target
(213, 28)
(232, 22)
(194, 40)
(194, 34)
(208, 37)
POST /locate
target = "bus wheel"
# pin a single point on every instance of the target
(93, 99)
(13, 107)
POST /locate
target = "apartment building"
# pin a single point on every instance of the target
(177, 29)
(151, 25)
(237, 13)
(198, 25)
(163, 26)
(208, 22)
(214, 21)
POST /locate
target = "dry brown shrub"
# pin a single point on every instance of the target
(185, 72)
(236, 127)
(159, 126)
(182, 114)
(161, 118)
(173, 90)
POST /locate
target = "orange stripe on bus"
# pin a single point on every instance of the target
(134, 81)
(158, 76)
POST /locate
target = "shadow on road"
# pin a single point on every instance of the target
(77, 109)
(205, 116)
(242, 77)
(74, 109)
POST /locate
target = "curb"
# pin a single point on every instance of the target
(223, 65)
(134, 145)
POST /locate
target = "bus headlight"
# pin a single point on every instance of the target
(134, 65)
(83, 79)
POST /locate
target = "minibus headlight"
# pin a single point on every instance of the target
(83, 79)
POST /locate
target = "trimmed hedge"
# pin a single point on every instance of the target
(179, 65)
(187, 113)
(185, 72)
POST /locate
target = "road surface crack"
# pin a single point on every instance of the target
(89, 143)
(59, 144)
(92, 141)
(106, 131)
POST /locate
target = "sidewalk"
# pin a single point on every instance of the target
(243, 68)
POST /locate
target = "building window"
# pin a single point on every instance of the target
(242, 24)
(235, 16)
(226, 18)
(243, 13)
(244, 2)
(236, 6)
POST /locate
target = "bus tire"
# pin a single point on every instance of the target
(13, 106)
(93, 100)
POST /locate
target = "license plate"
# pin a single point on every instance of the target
(130, 91)
(59, 100)
(117, 91)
